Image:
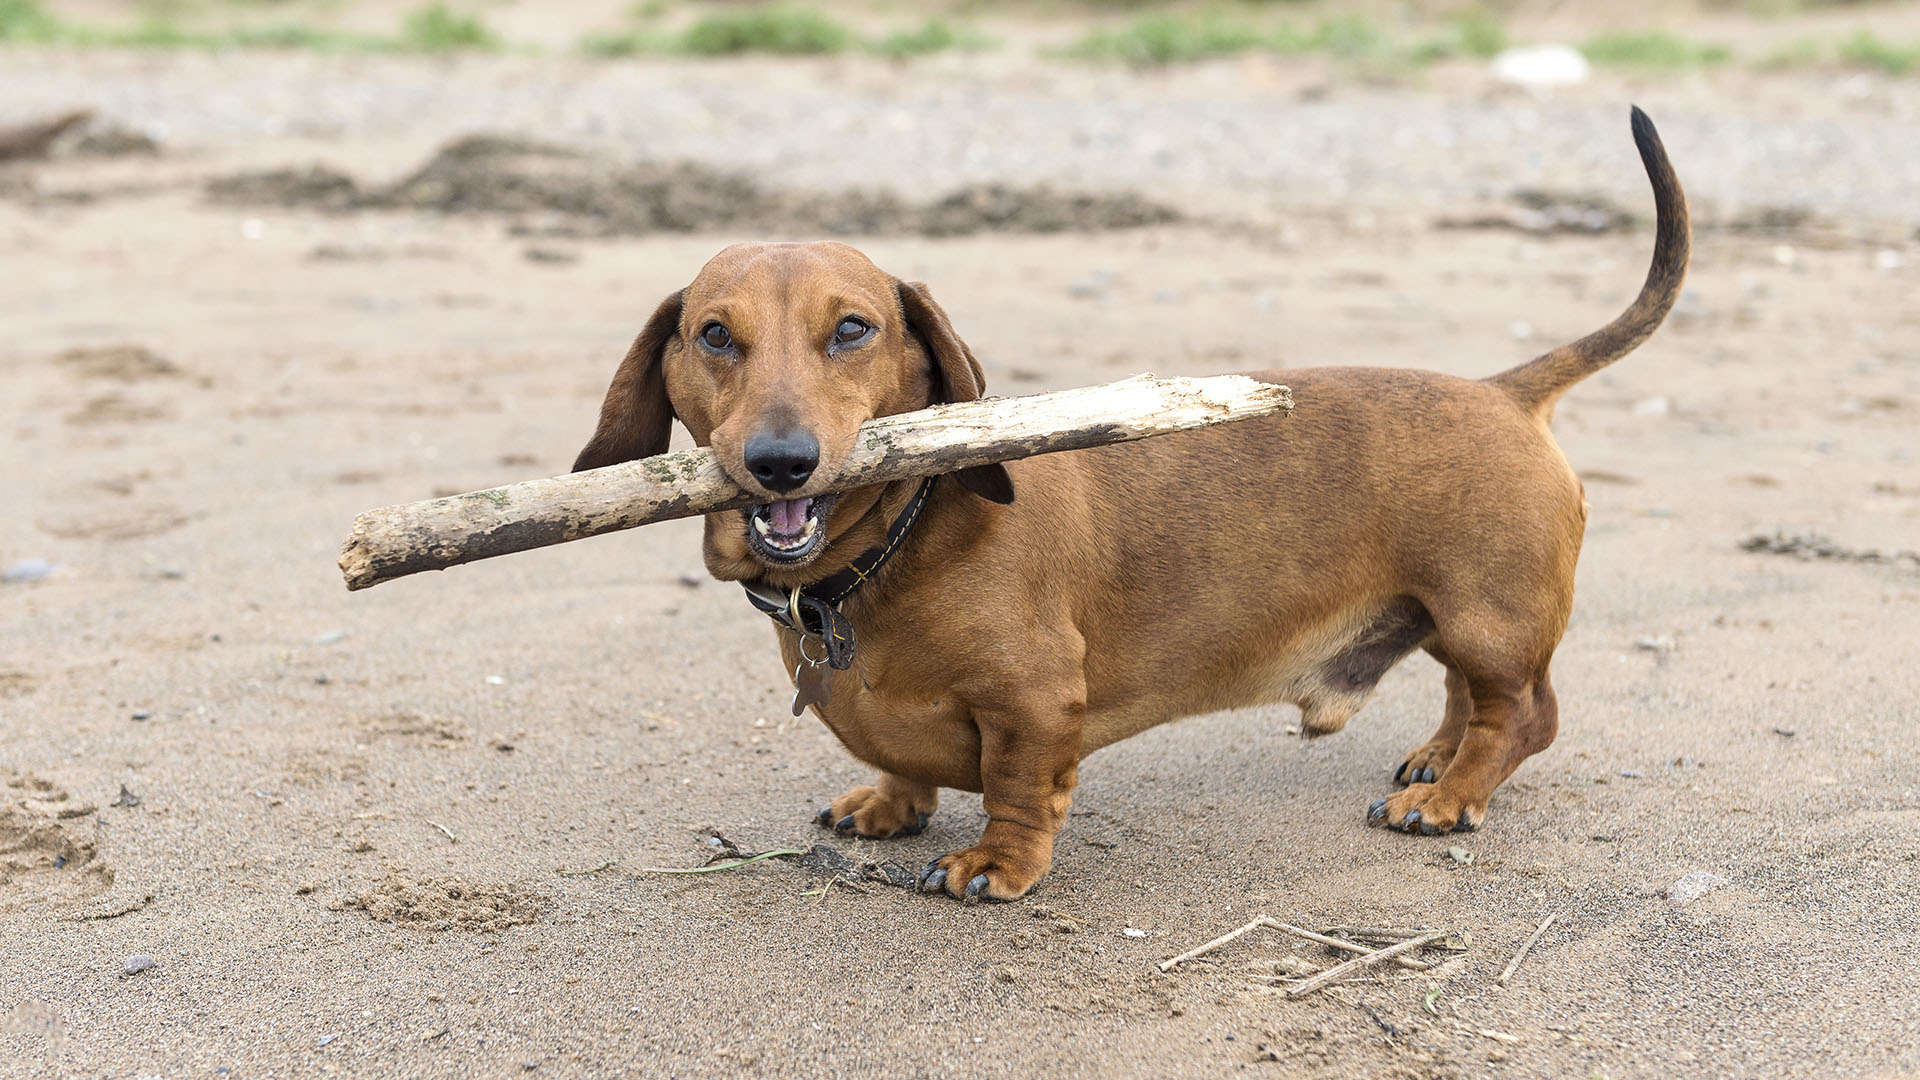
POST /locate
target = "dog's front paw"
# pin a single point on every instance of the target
(984, 872)
(1428, 809)
(874, 814)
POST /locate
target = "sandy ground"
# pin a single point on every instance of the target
(359, 822)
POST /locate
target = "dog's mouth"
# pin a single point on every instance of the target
(790, 531)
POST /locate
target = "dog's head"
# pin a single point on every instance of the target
(774, 357)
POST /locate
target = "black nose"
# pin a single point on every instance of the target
(782, 462)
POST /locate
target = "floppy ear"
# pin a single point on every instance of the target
(636, 420)
(957, 377)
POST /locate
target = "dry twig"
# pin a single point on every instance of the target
(1525, 947)
(1359, 963)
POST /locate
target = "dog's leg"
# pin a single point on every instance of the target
(1029, 763)
(1425, 764)
(1512, 719)
(892, 806)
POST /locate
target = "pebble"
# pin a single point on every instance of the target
(1542, 66)
(1131, 932)
(1460, 855)
(1692, 886)
(142, 714)
(27, 570)
(137, 963)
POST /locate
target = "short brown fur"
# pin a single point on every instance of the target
(1283, 560)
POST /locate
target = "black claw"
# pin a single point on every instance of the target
(1463, 825)
(1428, 830)
(976, 887)
(825, 817)
(1426, 776)
(918, 827)
(926, 875)
(935, 882)
(1377, 811)
(1412, 819)
(845, 824)
(1401, 771)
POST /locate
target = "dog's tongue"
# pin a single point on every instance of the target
(790, 516)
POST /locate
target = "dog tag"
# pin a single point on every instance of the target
(810, 687)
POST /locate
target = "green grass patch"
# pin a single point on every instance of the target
(786, 30)
(1473, 34)
(1165, 38)
(932, 36)
(433, 28)
(436, 28)
(1654, 49)
(1169, 39)
(26, 22)
(1864, 48)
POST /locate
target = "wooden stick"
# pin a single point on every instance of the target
(1354, 966)
(1404, 961)
(1169, 965)
(1525, 947)
(439, 533)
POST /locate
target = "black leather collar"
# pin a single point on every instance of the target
(814, 610)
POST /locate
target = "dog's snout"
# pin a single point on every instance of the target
(782, 462)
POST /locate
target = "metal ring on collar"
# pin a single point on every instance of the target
(824, 652)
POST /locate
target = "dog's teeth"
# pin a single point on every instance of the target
(760, 526)
(812, 524)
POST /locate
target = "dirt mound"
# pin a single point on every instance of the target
(121, 363)
(46, 852)
(436, 731)
(446, 903)
(311, 185)
(556, 191)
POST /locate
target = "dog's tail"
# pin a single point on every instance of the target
(1539, 382)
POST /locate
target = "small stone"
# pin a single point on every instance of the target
(137, 963)
(496, 680)
(126, 798)
(142, 714)
(1542, 65)
(1656, 643)
(325, 1039)
(1460, 855)
(1692, 886)
(1134, 933)
(27, 570)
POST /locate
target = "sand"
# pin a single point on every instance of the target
(405, 832)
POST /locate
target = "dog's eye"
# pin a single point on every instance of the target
(850, 331)
(716, 336)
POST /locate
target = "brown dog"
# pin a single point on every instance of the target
(999, 641)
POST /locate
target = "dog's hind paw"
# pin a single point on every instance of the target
(874, 814)
(1425, 765)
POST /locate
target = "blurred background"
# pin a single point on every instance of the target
(265, 264)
